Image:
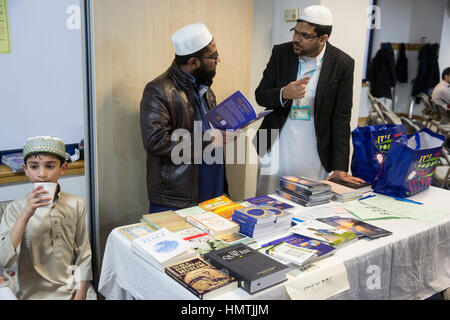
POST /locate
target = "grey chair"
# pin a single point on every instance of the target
(410, 126)
(443, 127)
(391, 117)
(376, 116)
(430, 114)
(441, 176)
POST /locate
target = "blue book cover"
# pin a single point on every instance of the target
(233, 113)
(266, 200)
(304, 242)
(254, 215)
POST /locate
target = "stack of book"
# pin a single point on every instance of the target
(304, 191)
(222, 206)
(201, 278)
(283, 218)
(343, 192)
(13, 161)
(266, 201)
(256, 222)
(213, 224)
(162, 248)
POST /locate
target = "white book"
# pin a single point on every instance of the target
(297, 255)
(213, 223)
(160, 246)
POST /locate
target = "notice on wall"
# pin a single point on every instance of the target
(5, 44)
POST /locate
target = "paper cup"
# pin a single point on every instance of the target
(50, 187)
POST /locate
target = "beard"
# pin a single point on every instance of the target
(204, 76)
(300, 50)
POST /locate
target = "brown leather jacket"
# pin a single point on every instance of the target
(168, 103)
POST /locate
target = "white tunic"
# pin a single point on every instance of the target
(297, 146)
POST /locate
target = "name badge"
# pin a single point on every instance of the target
(300, 113)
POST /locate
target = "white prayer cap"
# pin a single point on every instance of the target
(191, 38)
(317, 15)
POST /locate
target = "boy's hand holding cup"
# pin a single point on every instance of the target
(46, 192)
(41, 197)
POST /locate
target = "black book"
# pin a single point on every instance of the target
(254, 271)
(363, 187)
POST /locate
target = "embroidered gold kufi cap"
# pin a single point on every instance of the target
(45, 144)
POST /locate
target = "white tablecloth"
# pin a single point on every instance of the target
(413, 263)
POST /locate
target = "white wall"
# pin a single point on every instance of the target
(444, 57)
(41, 84)
(41, 81)
(408, 21)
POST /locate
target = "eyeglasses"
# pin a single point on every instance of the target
(303, 35)
(213, 57)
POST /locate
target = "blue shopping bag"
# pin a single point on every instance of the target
(370, 145)
(410, 164)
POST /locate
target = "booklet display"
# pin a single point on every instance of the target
(233, 113)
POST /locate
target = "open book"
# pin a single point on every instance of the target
(233, 113)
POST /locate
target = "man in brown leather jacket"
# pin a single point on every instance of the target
(175, 101)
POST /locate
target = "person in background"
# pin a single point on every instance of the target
(50, 244)
(308, 83)
(441, 92)
(175, 100)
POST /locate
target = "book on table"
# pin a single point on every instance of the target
(297, 255)
(324, 232)
(356, 226)
(222, 205)
(234, 112)
(136, 230)
(361, 187)
(184, 213)
(235, 238)
(323, 249)
(306, 185)
(201, 241)
(292, 196)
(268, 201)
(343, 193)
(254, 270)
(213, 223)
(162, 248)
(201, 278)
(255, 221)
(166, 219)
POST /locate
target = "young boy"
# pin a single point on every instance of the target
(47, 243)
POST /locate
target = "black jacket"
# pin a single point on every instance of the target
(168, 103)
(381, 72)
(401, 68)
(332, 107)
(428, 72)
